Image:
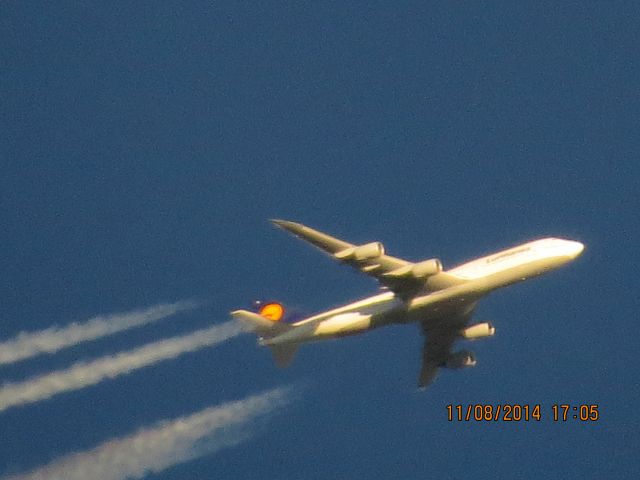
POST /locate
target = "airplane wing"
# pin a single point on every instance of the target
(437, 346)
(369, 258)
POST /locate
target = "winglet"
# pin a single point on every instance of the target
(319, 239)
(292, 227)
(285, 224)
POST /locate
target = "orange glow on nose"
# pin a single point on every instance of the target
(272, 311)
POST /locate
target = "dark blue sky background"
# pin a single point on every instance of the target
(144, 145)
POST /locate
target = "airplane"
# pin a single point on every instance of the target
(441, 301)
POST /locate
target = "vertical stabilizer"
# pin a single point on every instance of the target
(262, 326)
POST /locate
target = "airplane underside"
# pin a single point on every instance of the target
(441, 302)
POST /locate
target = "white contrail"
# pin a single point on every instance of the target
(167, 443)
(30, 344)
(83, 374)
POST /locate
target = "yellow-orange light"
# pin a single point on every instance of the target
(272, 311)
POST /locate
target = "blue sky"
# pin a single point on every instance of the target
(144, 146)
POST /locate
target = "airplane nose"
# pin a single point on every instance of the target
(575, 249)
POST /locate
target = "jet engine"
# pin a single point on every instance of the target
(419, 270)
(361, 252)
(479, 330)
(461, 359)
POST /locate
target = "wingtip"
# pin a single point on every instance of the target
(286, 224)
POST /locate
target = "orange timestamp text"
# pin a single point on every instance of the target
(516, 412)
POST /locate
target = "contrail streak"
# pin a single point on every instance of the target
(29, 344)
(167, 443)
(83, 374)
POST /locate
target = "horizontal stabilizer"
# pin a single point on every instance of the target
(259, 324)
(283, 354)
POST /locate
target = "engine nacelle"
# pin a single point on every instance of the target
(361, 252)
(479, 330)
(420, 270)
(461, 359)
(427, 268)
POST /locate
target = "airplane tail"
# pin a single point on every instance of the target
(265, 328)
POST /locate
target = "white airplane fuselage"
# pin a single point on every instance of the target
(432, 305)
